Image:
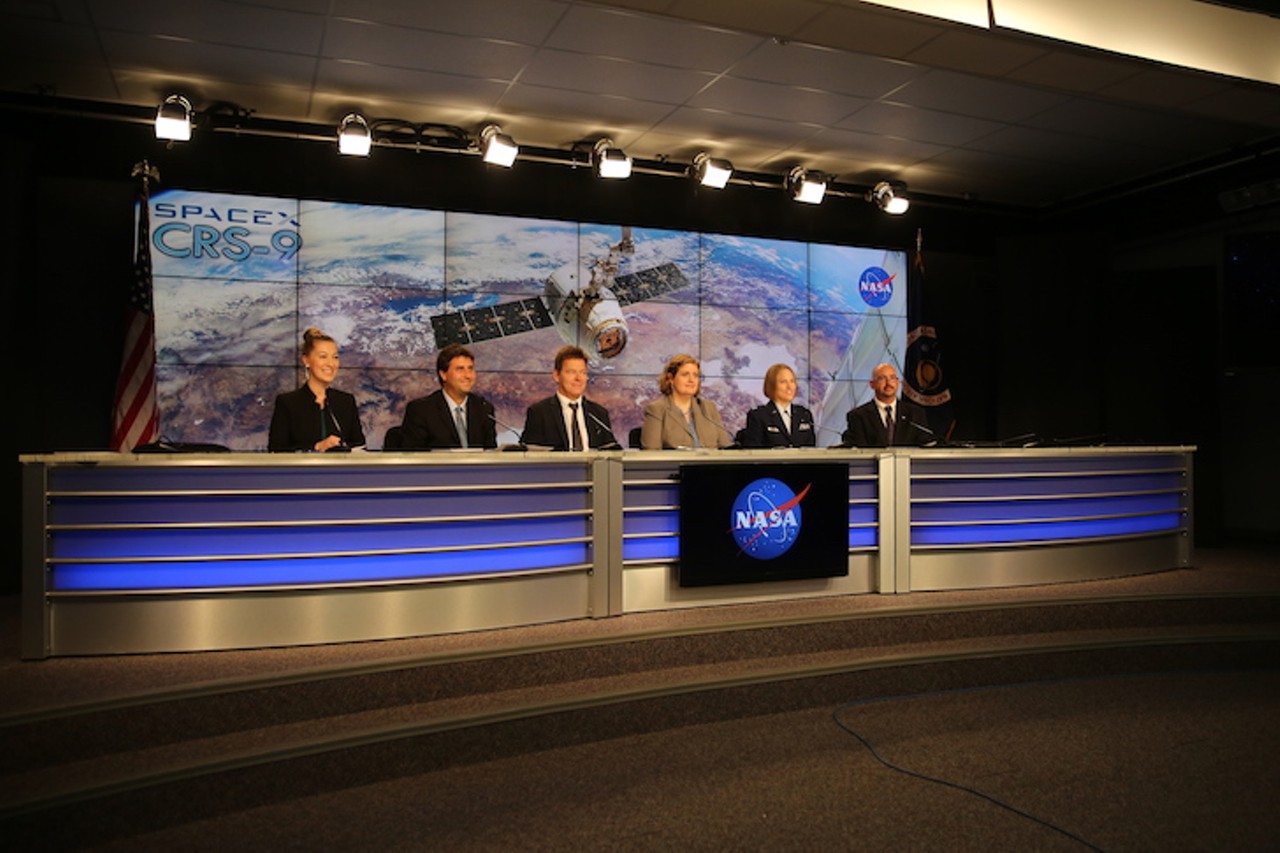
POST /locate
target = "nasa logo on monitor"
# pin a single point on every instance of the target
(765, 518)
(875, 286)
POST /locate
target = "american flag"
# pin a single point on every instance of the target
(136, 420)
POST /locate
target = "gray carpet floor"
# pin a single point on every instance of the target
(1160, 762)
(1175, 760)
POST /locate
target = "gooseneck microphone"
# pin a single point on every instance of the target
(924, 429)
(732, 444)
(822, 428)
(519, 445)
(341, 446)
(612, 443)
(337, 427)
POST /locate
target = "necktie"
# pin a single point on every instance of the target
(575, 430)
(460, 421)
(888, 421)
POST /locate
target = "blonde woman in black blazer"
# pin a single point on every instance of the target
(315, 416)
(680, 418)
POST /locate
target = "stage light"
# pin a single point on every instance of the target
(354, 137)
(173, 119)
(498, 148)
(806, 186)
(890, 197)
(610, 161)
(711, 172)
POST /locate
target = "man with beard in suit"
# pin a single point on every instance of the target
(886, 421)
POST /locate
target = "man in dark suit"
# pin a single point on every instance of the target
(567, 420)
(886, 421)
(452, 416)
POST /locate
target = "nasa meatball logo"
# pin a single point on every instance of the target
(766, 517)
(875, 286)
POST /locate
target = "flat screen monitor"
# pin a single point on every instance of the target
(749, 523)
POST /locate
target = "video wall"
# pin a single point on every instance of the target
(237, 278)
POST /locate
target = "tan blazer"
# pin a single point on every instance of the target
(665, 428)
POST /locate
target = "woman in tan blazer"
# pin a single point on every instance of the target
(680, 418)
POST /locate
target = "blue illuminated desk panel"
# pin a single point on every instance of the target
(128, 553)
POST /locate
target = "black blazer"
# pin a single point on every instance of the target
(544, 425)
(428, 423)
(298, 423)
(865, 429)
(765, 428)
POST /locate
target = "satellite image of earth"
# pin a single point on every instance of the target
(229, 321)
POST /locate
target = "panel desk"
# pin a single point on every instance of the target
(128, 553)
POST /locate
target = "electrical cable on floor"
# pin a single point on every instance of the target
(835, 716)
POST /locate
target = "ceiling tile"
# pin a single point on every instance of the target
(976, 52)
(272, 101)
(826, 68)
(857, 88)
(749, 97)
(215, 62)
(362, 81)
(590, 109)
(862, 31)
(965, 94)
(399, 47)
(838, 143)
(907, 122)
(769, 17)
(1165, 88)
(734, 128)
(605, 75)
(1072, 72)
(215, 22)
(645, 38)
(524, 22)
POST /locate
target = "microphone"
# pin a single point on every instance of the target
(612, 443)
(732, 445)
(341, 446)
(519, 445)
(924, 429)
(1097, 439)
(1028, 439)
(822, 428)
